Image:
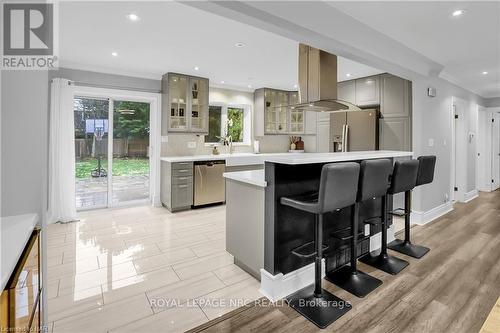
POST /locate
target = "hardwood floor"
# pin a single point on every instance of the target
(451, 289)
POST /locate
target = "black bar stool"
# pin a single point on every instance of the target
(383, 260)
(337, 189)
(424, 174)
(373, 180)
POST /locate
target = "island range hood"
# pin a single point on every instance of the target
(318, 82)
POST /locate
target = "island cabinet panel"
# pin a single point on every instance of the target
(20, 301)
(287, 228)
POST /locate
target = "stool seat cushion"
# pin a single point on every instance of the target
(307, 202)
(404, 176)
(426, 169)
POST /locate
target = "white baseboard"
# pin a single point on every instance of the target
(276, 287)
(469, 196)
(376, 240)
(422, 218)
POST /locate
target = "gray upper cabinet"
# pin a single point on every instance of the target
(395, 96)
(346, 91)
(184, 104)
(395, 134)
(368, 91)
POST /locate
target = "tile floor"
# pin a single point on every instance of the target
(142, 269)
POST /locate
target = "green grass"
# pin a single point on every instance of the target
(121, 166)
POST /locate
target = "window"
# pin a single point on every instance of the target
(235, 123)
(214, 124)
(233, 120)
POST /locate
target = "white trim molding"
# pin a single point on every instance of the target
(422, 218)
(276, 287)
(469, 196)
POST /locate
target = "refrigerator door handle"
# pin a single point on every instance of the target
(346, 140)
(343, 138)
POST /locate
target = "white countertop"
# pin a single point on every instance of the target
(15, 232)
(311, 158)
(253, 177)
(231, 159)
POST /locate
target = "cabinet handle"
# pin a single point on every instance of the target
(182, 186)
(182, 178)
(183, 170)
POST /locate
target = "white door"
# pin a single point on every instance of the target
(459, 150)
(495, 153)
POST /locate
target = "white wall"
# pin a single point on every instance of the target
(432, 119)
(24, 141)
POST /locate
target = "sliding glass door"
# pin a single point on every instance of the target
(130, 151)
(91, 152)
(112, 165)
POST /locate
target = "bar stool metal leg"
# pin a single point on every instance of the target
(313, 302)
(405, 246)
(350, 278)
(383, 260)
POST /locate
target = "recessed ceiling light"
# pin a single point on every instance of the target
(249, 86)
(458, 12)
(222, 82)
(133, 17)
(348, 75)
(484, 73)
(196, 68)
(239, 44)
(295, 86)
(114, 54)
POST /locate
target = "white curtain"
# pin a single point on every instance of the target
(62, 201)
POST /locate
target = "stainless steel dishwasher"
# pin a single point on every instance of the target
(209, 185)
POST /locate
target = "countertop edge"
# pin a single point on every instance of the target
(251, 177)
(15, 233)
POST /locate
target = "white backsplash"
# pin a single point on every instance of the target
(178, 145)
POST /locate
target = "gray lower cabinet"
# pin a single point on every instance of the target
(177, 185)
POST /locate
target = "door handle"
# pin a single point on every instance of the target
(346, 138)
(343, 138)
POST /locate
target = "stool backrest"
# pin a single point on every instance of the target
(404, 176)
(338, 186)
(374, 178)
(426, 169)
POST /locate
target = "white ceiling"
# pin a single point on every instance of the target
(174, 37)
(466, 45)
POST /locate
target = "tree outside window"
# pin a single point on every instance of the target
(217, 127)
(235, 117)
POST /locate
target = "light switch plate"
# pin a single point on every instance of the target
(431, 142)
(191, 144)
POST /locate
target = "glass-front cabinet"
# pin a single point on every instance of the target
(282, 113)
(270, 111)
(199, 104)
(275, 114)
(184, 103)
(296, 116)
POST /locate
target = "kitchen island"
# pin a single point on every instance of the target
(271, 231)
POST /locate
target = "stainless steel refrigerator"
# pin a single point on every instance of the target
(354, 130)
